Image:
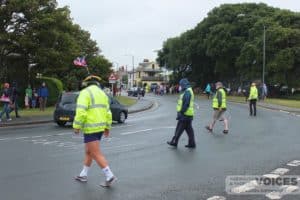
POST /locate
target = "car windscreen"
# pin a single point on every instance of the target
(69, 98)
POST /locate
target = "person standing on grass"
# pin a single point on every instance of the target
(43, 94)
(5, 99)
(28, 93)
(185, 114)
(15, 93)
(94, 118)
(219, 106)
(253, 95)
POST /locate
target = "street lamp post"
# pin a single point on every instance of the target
(264, 55)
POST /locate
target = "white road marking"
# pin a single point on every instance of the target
(280, 171)
(271, 175)
(197, 106)
(20, 138)
(217, 198)
(4, 139)
(294, 163)
(283, 111)
(38, 136)
(246, 187)
(285, 191)
(133, 132)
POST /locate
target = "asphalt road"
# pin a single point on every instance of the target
(39, 162)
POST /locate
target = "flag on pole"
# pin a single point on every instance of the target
(80, 61)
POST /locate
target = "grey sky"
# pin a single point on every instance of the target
(139, 27)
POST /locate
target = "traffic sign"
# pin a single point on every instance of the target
(112, 77)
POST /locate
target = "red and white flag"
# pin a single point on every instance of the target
(80, 61)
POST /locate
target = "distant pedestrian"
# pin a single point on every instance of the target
(185, 114)
(26, 101)
(219, 106)
(43, 94)
(93, 117)
(264, 91)
(253, 95)
(15, 93)
(28, 93)
(5, 99)
(208, 90)
(34, 98)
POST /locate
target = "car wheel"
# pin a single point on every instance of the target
(59, 123)
(122, 117)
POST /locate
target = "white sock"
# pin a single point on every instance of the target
(108, 173)
(84, 171)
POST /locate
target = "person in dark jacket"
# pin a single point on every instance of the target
(15, 93)
(43, 94)
(185, 114)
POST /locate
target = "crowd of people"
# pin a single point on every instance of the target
(33, 98)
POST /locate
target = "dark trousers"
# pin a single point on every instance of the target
(252, 105)
(185, 125)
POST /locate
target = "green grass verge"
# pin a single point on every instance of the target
(126, 101)
(36, 112)
(281, 102)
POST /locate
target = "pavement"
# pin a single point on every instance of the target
(294, 111)
(141, 105)
(39, 161)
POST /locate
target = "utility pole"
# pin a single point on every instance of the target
(264, 55)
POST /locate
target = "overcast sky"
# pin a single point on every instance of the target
(139, 27)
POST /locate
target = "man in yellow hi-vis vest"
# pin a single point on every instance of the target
(185, 114)
(219, 106)
(93, 117)
(253, 95)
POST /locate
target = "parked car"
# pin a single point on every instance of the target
(66, 106)
(135, 90)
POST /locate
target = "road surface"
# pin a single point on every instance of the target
(40, 161)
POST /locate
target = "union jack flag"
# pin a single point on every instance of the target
(80, 61)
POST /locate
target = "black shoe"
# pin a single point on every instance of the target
(172, 144)
(18, 116)
(109, 182)
(225, 131)
(208, 128)
(190, 146)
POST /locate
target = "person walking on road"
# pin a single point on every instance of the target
(253, 95)
(94, 118)
(185, 113)
(5, 99)
(219, 106)
(15, 93)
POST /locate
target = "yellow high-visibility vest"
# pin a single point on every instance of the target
(93, 113)
(190, 110)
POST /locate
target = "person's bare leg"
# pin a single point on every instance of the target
(97, 155)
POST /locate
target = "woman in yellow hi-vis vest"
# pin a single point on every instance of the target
(185, 114)
(93, 117)
(219, 106)
(253, 95)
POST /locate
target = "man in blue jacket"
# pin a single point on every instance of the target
(185, 114)
(43, 94)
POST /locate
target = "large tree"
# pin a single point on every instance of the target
(228, 45)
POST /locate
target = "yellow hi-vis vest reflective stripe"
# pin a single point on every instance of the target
(190, 110)
(93, 113)
(215, 103)
(253, 93)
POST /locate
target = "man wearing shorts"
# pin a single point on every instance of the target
(219, 106)
(93, 117)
